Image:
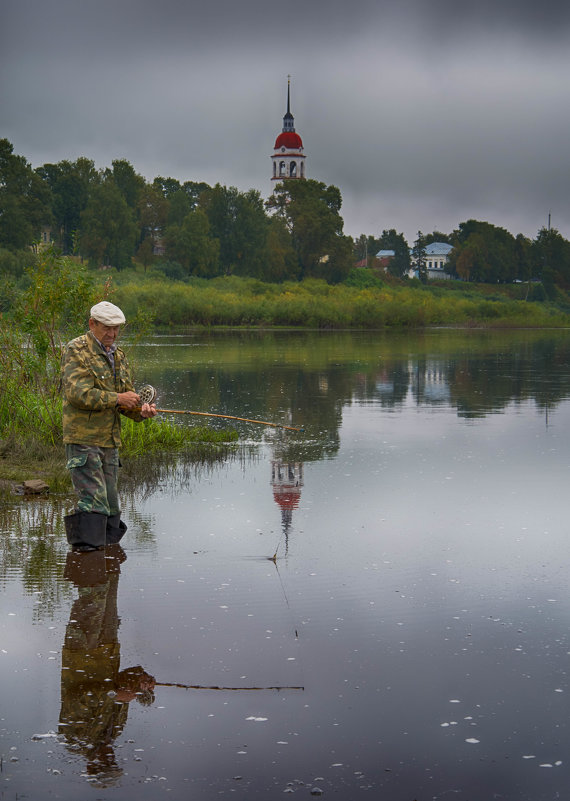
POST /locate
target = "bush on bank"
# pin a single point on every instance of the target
(316, 304)
(51, 310)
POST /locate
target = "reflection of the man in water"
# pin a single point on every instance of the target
(95, 694)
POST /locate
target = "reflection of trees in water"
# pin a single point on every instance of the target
(307, 379)
(33, 545)
(311, 400)
(475, 373)
(537, 372)
(475, 384)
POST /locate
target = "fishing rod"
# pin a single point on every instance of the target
(147, 394)
(216, 687)
(231, 417)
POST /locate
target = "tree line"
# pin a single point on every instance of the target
(482, 253)
(112, 216)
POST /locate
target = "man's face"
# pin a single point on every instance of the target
(106, 334)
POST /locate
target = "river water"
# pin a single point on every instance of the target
(374, 606)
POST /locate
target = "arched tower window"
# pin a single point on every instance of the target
(293, 169)
(282, 169)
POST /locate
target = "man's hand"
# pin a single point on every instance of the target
(148, 410)
(128, 400)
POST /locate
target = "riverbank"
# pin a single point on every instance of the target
(28, 458)
(314, 304)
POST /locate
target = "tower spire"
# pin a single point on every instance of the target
(288, 157)
(288, 119)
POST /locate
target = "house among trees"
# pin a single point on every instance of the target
(383, 258)
(437, 256)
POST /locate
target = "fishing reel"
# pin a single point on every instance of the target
(147, 394)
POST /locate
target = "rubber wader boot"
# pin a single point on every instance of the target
(116, 529)
(86, 531)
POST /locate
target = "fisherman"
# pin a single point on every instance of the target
(97, 389)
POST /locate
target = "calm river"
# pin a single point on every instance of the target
(377, 606)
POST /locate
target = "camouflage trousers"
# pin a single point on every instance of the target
(94, 472)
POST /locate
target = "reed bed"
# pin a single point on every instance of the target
(316, 304)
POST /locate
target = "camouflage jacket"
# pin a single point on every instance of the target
(90, 412)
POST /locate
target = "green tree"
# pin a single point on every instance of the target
(484, 250)
(437, 236)
(523, 257)
(168, 186)
(191, 245)
(311, 211)
(129, 183)
(238, 221)
(419, 256)
(194, 191)
(25, 200)
(152, 214)
(366, 247)
(179, 205)
(145, 252)
(550, 255)
(399, 265)
(70, 183)
(108, 229)
(281, 262)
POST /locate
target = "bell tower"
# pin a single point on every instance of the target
(288, 157)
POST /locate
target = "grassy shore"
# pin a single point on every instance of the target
(233, 301)
(25, 456)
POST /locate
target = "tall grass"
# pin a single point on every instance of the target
(155, 436)
(316, 304)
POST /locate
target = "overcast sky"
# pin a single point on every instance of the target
(424, 113)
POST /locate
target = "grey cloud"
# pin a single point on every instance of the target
(423, 113)
(95, 27)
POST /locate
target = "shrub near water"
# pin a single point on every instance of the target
(49, 313)
(315, 304)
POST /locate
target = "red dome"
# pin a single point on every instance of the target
(289, 140)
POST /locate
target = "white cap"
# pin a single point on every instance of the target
(107, 313)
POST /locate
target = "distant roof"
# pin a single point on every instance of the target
(438, 249)
(385, 254)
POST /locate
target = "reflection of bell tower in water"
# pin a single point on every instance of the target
(288, 157)
(287, 480)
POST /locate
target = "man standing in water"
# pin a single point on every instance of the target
(97, 389)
